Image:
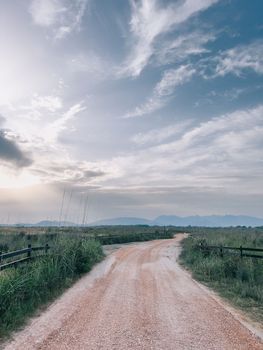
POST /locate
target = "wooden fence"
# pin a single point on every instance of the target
(25, 252)
(242, 251)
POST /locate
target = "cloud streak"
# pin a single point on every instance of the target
(60, 124)
(163, 90)
(159, 135)
(182, 47)
(236, 60)
(150, 21)
(68, 172)
(223, 152)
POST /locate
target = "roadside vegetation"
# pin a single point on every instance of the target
(239, 280)
(135, 236)
(26, 288)
(12, 238)
(73, 251)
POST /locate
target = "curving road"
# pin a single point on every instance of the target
(138, 298)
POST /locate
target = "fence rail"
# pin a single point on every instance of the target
(28, 251)
(205, 248)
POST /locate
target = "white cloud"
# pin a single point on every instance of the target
(183, 46)
(55, 128)
(62, 16)
(40, 138)
(152, 104)
(172, 78)
(156, 136)
(149, 21)
(211, 131)
(231, 94)
(40, 107)
(67, 171)
(50, 103)
(38, 125)
(232, 61)
(223, 152)
(235, 61)
(163, 90)
(46, 12)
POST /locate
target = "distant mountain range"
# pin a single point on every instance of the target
(47, 223)
(123, 221)
(165, 220)
(210, 221)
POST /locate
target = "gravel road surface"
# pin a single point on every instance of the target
(138, 298)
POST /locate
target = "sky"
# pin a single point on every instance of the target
(130, 108)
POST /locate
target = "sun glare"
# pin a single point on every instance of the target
(13, 179)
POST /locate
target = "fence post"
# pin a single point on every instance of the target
(29, 252)
(46, 248)
(241, 252)
(221, 251)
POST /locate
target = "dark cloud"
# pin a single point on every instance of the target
(10, 152)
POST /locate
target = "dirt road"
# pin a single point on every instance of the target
(138, 298)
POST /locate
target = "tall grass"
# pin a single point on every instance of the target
(24, 289)
(239, 280)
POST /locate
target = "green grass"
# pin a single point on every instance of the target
(25, 289)
(238, 280)
(135, 237)
(12, 238)
(73, 252)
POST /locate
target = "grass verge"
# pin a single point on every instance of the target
(238, 280)
(25, 289)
